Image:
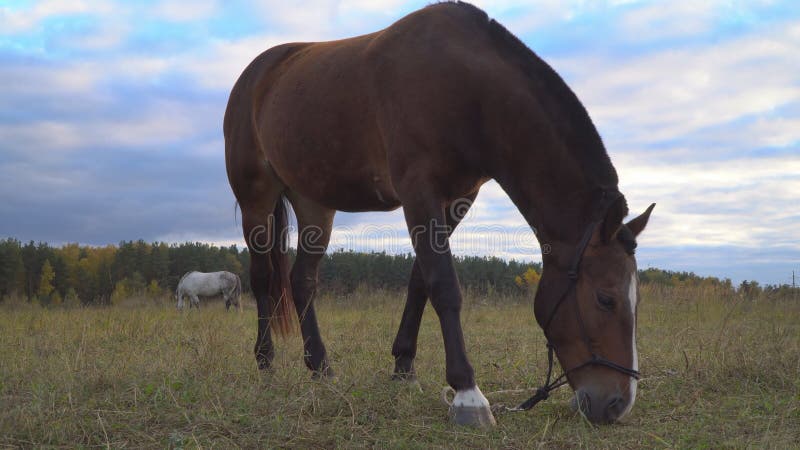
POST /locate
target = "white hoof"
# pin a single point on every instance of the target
(471, 408)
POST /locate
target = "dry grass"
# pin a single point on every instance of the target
(718, 373)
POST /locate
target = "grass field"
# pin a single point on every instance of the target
(717, 373)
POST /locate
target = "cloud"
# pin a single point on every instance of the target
(741, 202)
(178, 11)
(25, 78)
(521, 17)
(100, 36)
(655, 22)
(162, 124)
(220, 65)
(706, 128)
(111, 120)
(371, 6)
(315, 17)
(675, 92)
(16, 20)
(44, 136)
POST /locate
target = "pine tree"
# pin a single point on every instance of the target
(12, 269)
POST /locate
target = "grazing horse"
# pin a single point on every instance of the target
(198, 284)
(419, 116)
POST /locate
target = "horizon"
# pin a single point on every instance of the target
(111, 128)
(331, 250)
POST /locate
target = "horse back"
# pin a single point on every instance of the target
(340, 122)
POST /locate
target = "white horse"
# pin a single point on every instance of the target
(198, 284)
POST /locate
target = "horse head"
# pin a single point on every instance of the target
(587, 309)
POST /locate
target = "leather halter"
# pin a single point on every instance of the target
(543, 392)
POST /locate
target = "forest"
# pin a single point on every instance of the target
(76, 274)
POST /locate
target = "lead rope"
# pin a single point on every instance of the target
(543, 392)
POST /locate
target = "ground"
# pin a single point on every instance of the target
(718, 372)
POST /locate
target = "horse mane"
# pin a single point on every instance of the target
(584, 138)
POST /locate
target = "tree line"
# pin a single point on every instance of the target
(83, 274)
(100, 275)
(91, 275)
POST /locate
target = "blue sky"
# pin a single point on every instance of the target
(111, 117)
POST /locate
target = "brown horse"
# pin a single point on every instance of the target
(420, 115)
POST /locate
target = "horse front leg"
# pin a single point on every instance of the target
(404, 348)
(429, 235)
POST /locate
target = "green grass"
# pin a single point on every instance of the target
(717, 373)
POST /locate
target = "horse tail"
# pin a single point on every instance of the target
(282, 303)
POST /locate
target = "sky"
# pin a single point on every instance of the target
(111, 121)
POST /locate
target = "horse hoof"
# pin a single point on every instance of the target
(472, 416)
(264, 365)
(324, 374)
(404, 376)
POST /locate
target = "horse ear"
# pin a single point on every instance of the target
(637, 225)
(613, 220)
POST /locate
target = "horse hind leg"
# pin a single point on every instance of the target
(258, 199)
(227, 297)
(258, 190)
(314, 231)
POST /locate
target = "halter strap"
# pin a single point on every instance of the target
(543, 392)
(572, 272)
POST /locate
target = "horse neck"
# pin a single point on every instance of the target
(557, 200)
(550, 160)
(546, 152)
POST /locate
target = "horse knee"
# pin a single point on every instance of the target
(303, 286)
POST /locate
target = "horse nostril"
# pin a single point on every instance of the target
(615, 407)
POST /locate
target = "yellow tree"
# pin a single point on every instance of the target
(529, 280)
(154, 290)
(46, 280)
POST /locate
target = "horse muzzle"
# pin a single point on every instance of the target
(602, 408)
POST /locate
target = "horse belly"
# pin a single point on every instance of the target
(329, 186)
(335, 173)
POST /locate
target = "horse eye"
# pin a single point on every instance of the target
(606, 302)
